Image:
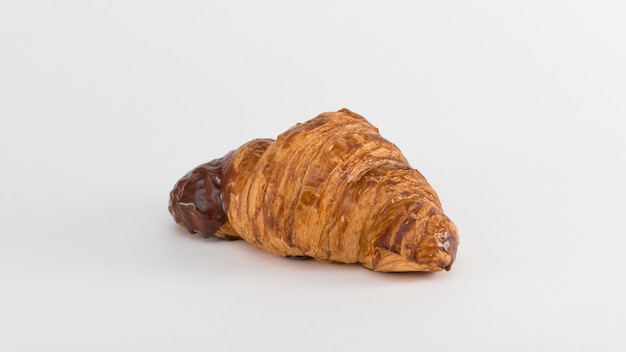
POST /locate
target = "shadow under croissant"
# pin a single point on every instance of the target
(310, 264)
(393, 276)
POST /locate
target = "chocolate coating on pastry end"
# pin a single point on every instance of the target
(196, 200)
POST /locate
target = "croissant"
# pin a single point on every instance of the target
(331, 189)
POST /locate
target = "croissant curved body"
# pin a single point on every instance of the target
(331, 189)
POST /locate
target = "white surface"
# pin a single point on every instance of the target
(514, 111)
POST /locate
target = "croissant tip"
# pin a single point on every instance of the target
(196, 200)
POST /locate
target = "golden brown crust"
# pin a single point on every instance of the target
(333, 189)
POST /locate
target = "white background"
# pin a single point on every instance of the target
(514, 111)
